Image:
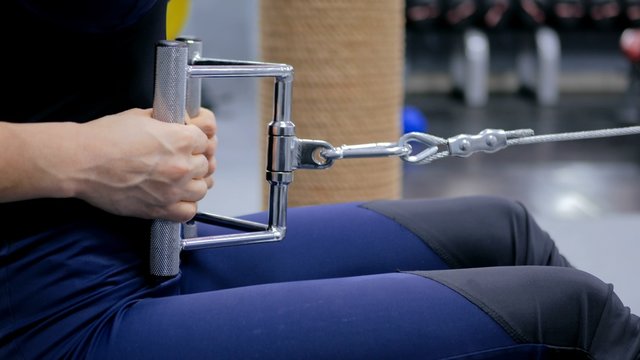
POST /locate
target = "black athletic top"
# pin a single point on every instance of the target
(63, 259)
(73, 61)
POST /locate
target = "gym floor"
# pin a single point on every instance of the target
(565, 179)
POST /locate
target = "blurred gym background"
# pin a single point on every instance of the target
(552, 66)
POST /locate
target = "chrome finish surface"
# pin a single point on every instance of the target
(219, 68)
(192, 103)
(206, 242)
(366, 151)
(194, 85)
(168, 106)
(278, 192)
(429, 142)
(310, 154)
(179, 70)
(488, 140)
(189, 229)
(229, 222)
(282, 153)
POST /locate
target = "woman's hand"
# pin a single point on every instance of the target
(206, 122)
(130, 164)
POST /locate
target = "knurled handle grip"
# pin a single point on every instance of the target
(169, 104)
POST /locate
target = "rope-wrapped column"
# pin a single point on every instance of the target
(348, 58)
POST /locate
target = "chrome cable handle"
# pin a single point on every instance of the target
(169, 96)
(179, 68)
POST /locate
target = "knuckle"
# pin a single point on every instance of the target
(190, 135)
(172, 195)
(178, 170)
(179, 174)
(181, 139)
(207, 113)
(194, 133)
(206, 121)
(156, 213)
(200, 189)
(189, 210)
(209, 129)
(203, 190)
(180, 212)
(203, 160)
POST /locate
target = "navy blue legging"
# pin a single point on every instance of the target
(351, 281)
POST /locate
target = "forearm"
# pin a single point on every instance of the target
(127, 164)
(37, 160)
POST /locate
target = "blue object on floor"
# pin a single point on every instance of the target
(414, 120)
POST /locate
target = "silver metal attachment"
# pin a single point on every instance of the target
(430, 142)
(489, 140)
(281, 160)
(174, 98)
(310, 154)
(366, 151)
(178, 76)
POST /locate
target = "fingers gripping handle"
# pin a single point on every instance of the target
(169, 100)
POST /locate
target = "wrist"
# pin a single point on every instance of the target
(57, 154)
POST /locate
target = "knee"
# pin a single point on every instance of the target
(476, 231)
(574, 309)
(575, 291)
(584, 312)
(515, 230)
(497, 212)
(570, 308)
(500, 207)
(537, 304)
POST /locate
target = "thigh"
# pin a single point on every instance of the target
(516, 312)
(324, 241)
(382, 236)
(475, 231)
(384, 316)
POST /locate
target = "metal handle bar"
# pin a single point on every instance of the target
(179, 68)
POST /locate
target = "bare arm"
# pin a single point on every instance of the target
(127, 163)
